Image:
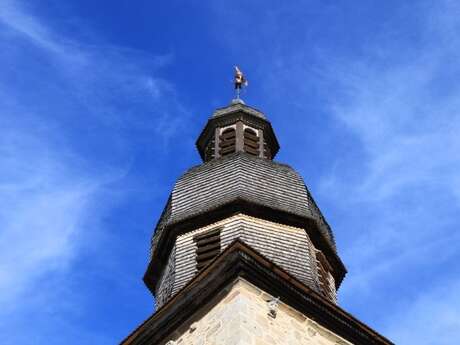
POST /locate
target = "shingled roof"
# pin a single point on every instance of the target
(236, 107)
(240, 177)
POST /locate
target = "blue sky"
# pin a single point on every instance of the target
(100, 107)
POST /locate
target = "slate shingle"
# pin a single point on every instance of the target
(240, 176)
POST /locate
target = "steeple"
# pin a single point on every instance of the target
(241, 224)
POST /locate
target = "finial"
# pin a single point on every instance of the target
(240, 81)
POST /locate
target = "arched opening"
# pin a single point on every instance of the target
(251, 142)
(227, 142)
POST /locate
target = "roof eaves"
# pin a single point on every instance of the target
(240, 260)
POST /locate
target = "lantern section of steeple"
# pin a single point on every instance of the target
(237, 128)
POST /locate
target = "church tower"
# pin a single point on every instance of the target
(241, 254)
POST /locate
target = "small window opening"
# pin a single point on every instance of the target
(207, 247)
(251, 142)
(227, 141)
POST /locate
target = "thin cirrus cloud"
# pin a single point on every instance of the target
(61, 98)
(383, 99)
(393, 198)
(429, 320)
(45, 196)
(405, 116)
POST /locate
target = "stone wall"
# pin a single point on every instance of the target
(287, 246)
(245, 315)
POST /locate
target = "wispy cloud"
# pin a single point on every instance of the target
(406, 118)
(428, 320)
(386, 103)
(25, 24)
(45, 196)
(68, 109)
(105, 83)
(401, 102)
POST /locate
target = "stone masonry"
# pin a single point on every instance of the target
(244, 315)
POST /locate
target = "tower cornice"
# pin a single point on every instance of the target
(240, 261)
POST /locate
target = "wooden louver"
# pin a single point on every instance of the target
(227, 141)
(323, 274)
(267, 153)
(207, 247)
(209, 151)
(251, 142)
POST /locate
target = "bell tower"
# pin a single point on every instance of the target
(241, 253)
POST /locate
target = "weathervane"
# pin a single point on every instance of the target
(240, 82)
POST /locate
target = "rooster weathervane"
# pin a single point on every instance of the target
(240, 81)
